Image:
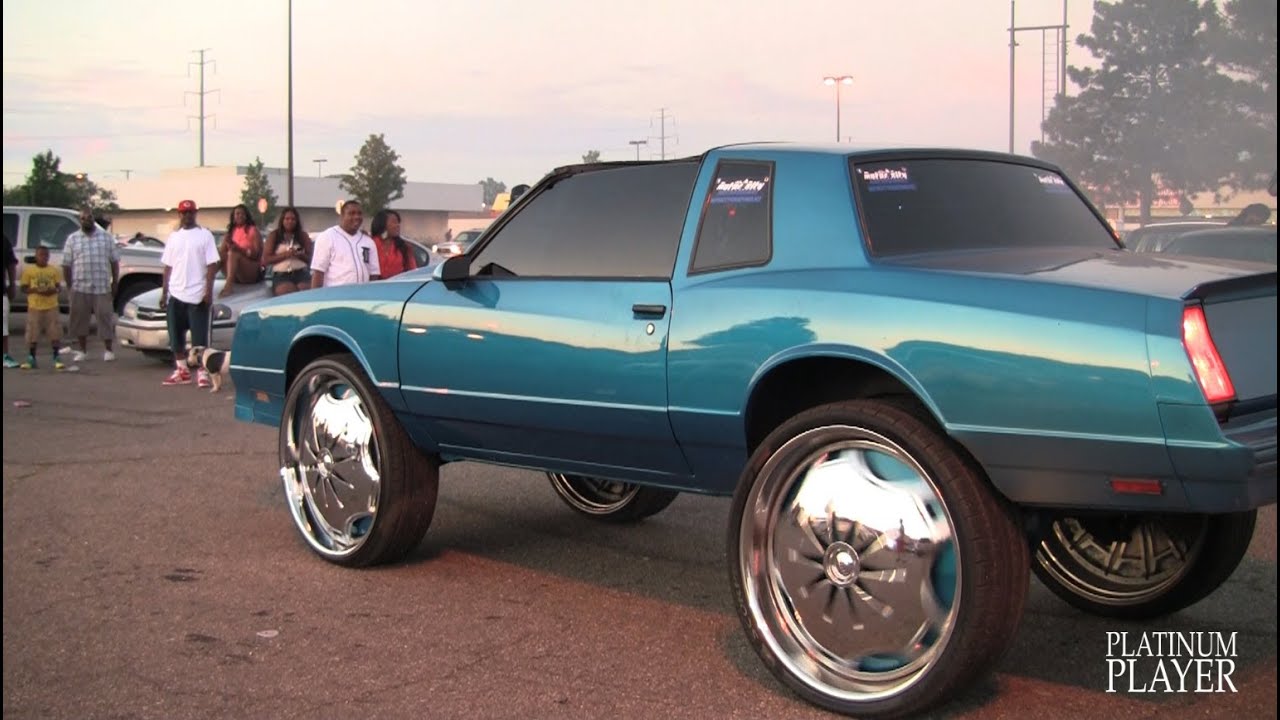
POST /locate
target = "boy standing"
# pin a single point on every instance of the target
(41, 282)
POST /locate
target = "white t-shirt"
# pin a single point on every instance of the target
(344, 259)
(189, 253)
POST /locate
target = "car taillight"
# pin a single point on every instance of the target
(1210, 371)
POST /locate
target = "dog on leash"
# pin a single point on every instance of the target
(215, 362)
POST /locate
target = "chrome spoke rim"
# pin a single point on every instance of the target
(849, 564)
(1148, 560)
(594, 496)
(330, 467)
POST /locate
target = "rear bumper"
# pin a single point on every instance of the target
(148, 335)
(1240, 474)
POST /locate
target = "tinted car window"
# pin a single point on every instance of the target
(1254, 245)
(11, 228)
(913, 206)
(50, 230)
(620, 222)
(736, 225)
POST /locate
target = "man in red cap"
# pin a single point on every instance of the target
(190, 262)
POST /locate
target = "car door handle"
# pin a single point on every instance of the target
(649, 310)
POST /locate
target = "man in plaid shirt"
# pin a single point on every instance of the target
(91, 264)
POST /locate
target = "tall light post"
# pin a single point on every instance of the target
(320, 166)
(290, 103)
(837, 81)
(637, 144)
(1059, 77)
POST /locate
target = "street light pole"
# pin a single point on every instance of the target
(637, 144)
(837, 82)
(290, 103)
(1059, 78)
(320, 166)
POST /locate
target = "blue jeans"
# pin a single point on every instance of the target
(184, 316)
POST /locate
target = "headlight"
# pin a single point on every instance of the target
(221, 312)
(131, 310)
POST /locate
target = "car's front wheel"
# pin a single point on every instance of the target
(1141, 566)
(873, 569)
(610, 500)
(359, 491)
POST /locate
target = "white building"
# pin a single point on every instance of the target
(147, 203)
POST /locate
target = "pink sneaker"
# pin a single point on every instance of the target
(179, 377)
(202, 379)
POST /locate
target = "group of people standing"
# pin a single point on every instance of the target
(341, 255)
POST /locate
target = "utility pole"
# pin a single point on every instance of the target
(126, 173)
(637, 144)
(662, 135)
(320, 166)
(201, 117)
(290, 51)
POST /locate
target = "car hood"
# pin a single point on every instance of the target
(1142, 273)
(243, 296)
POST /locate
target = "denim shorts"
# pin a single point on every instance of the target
(300, 277)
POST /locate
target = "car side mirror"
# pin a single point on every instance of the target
(454, 271)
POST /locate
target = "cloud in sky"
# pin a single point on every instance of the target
(465, 90)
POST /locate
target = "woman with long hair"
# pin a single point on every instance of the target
(241, 250)
(288, 253)
(394, 254)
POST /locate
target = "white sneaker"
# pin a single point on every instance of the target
(76, 355)
(108, 356)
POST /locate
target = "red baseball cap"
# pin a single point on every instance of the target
(187, 206)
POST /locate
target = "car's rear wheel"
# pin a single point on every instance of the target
(873, 569)
(1141, 566)
(359, 491)
(610, 500)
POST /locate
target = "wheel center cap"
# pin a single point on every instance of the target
(326, 463)
(841, 564)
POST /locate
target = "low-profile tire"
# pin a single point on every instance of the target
(133, 289)
(610, 500)
(358, 489)
(1142, 566)
(874, 570)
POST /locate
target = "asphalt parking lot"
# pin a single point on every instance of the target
(151, 571)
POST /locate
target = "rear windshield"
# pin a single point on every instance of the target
(1254, 247)
(913, 206)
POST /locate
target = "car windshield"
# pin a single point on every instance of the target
(936, 204)
(1254, 245)
(1154, 238)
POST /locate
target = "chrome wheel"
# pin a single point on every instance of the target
(849, 567)
(593, 496)
(1121, 561)
(330, 463)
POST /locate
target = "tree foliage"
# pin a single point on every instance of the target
(257, 187)
(491, 189)
(376, 180)
(1153, 114)
(1246, 47)
(47, 186)
(592, 156)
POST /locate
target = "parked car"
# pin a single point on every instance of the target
(1253, 244)
(140, 241)
(915, 371)
(460, 244)
(31, 227)
(143, 326)
(1153, 237)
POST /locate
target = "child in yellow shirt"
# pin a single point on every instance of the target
(41, 282)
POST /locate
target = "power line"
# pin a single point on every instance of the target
(201, 117)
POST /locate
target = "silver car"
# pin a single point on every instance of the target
(143, 326)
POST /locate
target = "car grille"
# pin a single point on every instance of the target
(151, 314)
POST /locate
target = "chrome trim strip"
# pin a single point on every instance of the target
(251, 368)
(529, 398)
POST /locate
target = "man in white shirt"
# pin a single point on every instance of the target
(343, 254)
(190, 262)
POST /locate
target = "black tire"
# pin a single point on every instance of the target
(1192, 555)
(377, 520)
(610, 500)
(875, 507)
(132, 289)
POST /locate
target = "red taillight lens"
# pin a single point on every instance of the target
(1210, 371)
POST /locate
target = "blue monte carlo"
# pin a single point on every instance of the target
(920, 374)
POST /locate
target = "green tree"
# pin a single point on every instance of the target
(47, 186)
(491, 189)
(1246, 48)
(257, 187)
(1152, 113)
(592, 156)
(376, 180)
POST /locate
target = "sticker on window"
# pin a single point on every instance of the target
(1051, 182)
(887, 179)
(739, 191)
